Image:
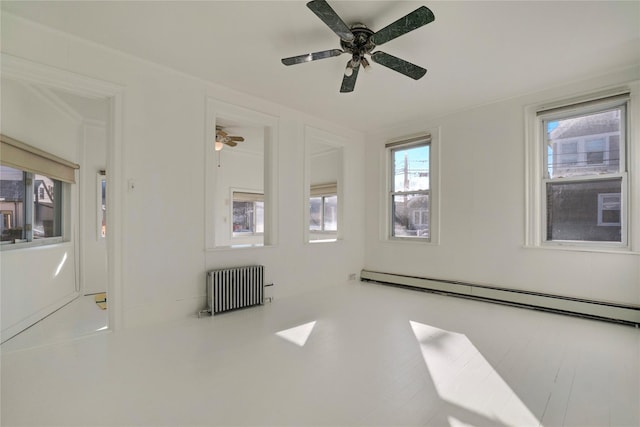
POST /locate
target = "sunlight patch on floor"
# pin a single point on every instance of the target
(472, 391)
(298, 334)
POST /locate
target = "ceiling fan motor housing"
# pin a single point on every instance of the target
(360, 45)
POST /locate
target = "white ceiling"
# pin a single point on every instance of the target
(475, 52)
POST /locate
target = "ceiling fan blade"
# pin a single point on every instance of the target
(231, 143)
(236, 138)
(416, 19)
(322, 9)
(311, 57)
(349, 82)
(399, 65)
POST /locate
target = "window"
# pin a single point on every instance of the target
(101, 208)
(248, 213)
(583, 180)
(31, 206)
(323, 208)
(31, 193)
(323, 213)
(410, 184)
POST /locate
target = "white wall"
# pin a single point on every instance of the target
(482, 209)
(324, 167)
(164, 258)
(36, 281)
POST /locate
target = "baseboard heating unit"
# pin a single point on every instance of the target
(599, 310)
(233, 288)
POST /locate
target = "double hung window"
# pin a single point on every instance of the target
(410, 189)
(584, 172)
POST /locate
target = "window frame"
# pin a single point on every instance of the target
(256, 197)
(537, 172)
(60, 207)
(390, 149)
(322, 192)
(32, 161)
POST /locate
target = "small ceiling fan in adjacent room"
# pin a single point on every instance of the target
(223, 138)
(358, 41)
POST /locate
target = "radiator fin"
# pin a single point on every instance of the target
(234, 288)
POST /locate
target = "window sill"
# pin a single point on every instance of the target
(33, 244)
(248, 246)
(592, 249)
(409, 241)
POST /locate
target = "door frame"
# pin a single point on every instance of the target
(21, 69)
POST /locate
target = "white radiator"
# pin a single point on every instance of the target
(234, 288)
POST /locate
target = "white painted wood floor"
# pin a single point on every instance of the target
(355, 354)
(79, 318)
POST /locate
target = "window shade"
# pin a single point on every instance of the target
(19, 155)
(619, 98)
(421, 138)
(239, 196)
(324, 189)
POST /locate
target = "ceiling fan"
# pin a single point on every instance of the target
(358, 40)
(223, 138)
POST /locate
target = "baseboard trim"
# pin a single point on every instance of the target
(592, 309)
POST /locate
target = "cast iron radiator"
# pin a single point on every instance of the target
(233, 288)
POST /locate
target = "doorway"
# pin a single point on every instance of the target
(96, 105)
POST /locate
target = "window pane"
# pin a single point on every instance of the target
(331, 213)
(588, 144)
(584, 211)
(11, 203)
(259, 210)
(103, 222)
(242, 217)
(315, 213)
(411, 168)
(410, 216)
(46, 212)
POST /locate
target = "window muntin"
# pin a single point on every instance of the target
(584, 160)
(31, 206)
(409, 197)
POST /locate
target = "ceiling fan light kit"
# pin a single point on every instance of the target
(223, 138)
(358, 41)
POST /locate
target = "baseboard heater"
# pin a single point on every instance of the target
(233, 288)
(611, 312)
